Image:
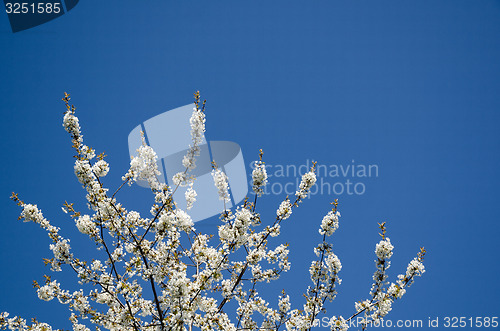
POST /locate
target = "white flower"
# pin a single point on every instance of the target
(197, 122)
(61, 250)
(285, 209)
(396, 291)
(48, 291)
(338, 324)
(31, 213)
(384, 249)
(85, 225)
(308, 180)
(363, 305)
(330, 223)
(259, 178)
(415, 268)
(384, 307)
(178, 284)
(255, 255)
(220, 180)
(117, 254)
(144, 166)
(133, 218)
(104, 298)
(165, 222)
(183, 220)
(333, 263)
(179, 179)
(284, 304)
(236, 233)
(80, 327)
(87, 152)
(71, 124)
(100, 168)
(97, 265)
(190, 196)
(83, 172)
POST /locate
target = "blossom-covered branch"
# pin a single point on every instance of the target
(157, 272)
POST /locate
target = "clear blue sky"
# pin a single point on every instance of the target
(410, 86)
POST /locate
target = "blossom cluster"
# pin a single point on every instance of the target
(156, 272)
(259, 176)
(197, 122)
(220, 180)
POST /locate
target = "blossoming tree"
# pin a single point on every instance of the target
(159, 273)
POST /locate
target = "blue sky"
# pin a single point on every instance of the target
(410, 86)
